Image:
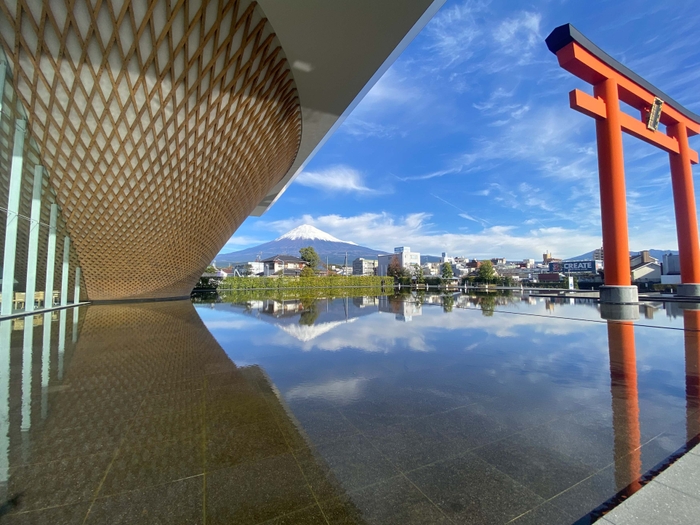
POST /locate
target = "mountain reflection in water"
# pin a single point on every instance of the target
(419, 408)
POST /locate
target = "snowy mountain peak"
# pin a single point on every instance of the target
(311, 233)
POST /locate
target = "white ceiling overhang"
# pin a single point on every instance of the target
(338, 49)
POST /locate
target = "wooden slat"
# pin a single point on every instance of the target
(155, 170)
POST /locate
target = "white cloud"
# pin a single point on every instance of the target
(494, 100)
(384, 231)
(360, 128)
(453, 31)
(229, 324)
(379, 112)
(342, 391)
(390, 89)
(520, 34)
(334, 179)
(241, 241)
(462, 213)
(433, 174)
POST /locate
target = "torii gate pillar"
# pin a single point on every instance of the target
(686, 212)
(613, 199)
(612, 82)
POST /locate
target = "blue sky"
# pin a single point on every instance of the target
(467, 143)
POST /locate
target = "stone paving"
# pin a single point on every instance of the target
(673, 497)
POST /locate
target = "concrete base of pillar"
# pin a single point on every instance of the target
(619, 312)
(688, 290)
(688, 306)
(619, 294)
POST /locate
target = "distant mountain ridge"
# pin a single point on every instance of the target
(656, 254)
(305, 235)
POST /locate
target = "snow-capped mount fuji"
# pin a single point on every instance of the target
(300, 237)
(310, 233)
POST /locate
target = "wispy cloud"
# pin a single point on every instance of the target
(242, 241)
(379, 113)
(335, 179)
(495, 100)
(433, 174)
(453, 31)
(391, 89)
(519, 35)
(364, 129)
(462, 213)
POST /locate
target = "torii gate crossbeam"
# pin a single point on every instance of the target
(612, 83)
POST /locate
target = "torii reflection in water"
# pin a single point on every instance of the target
(625, 405)
(625, 397)
(691, 325)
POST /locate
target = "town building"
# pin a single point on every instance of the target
(361, 266)
(642, 257)
(548, 277)
(286, 265)
(431, 269)
(644, 268)
(344, 270)
(247, 269)
(671, 269)
(402, 310)
(672, 264)
(365, 301)
(406, 258)
(649, 272)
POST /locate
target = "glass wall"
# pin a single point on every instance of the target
(39, 266)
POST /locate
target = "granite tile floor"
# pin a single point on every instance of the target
(672, 497)
(166, 430)
(147, 420)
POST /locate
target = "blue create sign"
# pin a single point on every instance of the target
(573, 266)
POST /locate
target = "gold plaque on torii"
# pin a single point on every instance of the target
(654, 114)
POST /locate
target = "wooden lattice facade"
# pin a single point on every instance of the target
(160, 124)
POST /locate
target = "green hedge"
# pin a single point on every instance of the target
(240, 295)
(277, 283)
(472, 280)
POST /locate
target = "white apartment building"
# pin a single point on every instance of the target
(361, 266)
(252, 268)
(671, 269)
(431, 269)
(407, 259)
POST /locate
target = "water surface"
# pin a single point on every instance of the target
(406, 409)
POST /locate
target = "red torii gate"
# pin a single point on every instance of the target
(612, 82)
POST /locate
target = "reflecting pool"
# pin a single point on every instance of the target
(402, 409)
